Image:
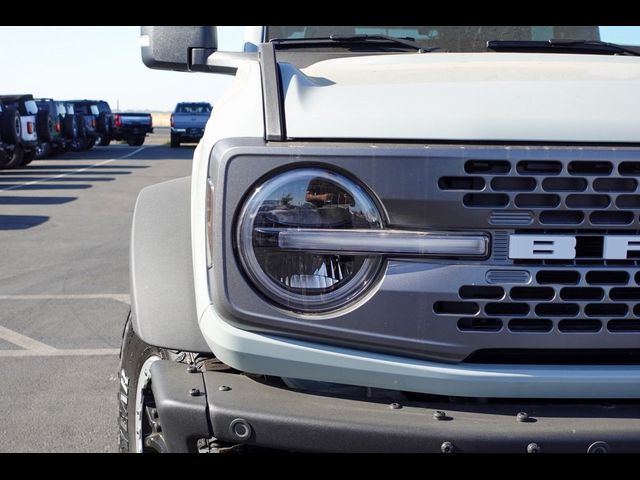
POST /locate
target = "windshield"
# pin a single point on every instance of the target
(465, 38)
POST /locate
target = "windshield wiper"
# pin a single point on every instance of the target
(381, 40)
(562, 46)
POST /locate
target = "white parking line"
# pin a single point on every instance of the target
(80, 170)
(120, 297)
(61, 353)
(34, 348)
(24, 341)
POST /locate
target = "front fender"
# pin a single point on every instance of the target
(161, 268)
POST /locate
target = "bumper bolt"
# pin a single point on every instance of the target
(447, 447)
(224, 388)
(240, 428)
(522, 417)
(194, 392)
(439, 415)
(395, 406)
(533, 448)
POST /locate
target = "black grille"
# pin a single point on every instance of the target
(584, 302)
(556, 300)
(551, 193)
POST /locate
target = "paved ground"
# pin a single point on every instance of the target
(64, 235)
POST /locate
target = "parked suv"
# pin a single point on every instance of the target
(394, 239)
(32, 124)
(188, 121)
(104, 123)
(87, 114)
(10, 137)
(56, 142)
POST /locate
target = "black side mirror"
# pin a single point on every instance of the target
(183, 49)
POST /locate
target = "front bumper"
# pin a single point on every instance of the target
(242, 410)
(285, 357)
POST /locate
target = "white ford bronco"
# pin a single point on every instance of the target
(394, 238)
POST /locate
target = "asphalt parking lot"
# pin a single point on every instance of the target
(64, 238)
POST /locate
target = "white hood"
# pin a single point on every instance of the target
(473, 96)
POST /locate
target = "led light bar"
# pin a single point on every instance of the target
(381, 242)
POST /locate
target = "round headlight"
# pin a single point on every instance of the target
(307, 200)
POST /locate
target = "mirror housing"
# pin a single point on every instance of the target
(183, 49)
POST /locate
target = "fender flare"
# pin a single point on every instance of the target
(161, 268)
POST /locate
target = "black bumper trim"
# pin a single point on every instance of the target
(182, 414)
(286, 419)
(243, 410)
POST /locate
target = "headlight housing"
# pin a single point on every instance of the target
(307, 200)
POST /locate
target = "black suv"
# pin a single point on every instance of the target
(65, 128)
(10, 137)
(33, 124)
(87, 115)
(104, 123)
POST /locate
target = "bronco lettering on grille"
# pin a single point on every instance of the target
(563, 247)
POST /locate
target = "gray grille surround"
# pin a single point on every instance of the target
(399, 315)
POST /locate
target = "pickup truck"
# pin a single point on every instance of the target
(33, 123)
(394, 239)
(188, 121)
(132, 127)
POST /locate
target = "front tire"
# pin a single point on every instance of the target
(137, 419)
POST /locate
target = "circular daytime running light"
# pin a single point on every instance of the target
(307, 198)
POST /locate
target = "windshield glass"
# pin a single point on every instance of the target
(466, 38)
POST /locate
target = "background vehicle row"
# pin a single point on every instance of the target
(43, 127)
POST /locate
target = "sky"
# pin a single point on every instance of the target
(99, 63)
(104, 63)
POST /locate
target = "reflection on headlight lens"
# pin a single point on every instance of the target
(311, 199)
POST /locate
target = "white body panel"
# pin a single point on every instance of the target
(466, 96)
(237, 114)
(26, 136)
(470, 97)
